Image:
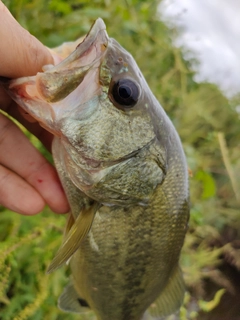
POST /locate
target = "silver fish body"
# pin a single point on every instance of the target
(122, 166)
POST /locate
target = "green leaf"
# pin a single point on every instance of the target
(208, 184)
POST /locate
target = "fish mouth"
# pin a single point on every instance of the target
(87, 52)
(61, 80)
(58, 90)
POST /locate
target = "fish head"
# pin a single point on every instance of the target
(99, 105)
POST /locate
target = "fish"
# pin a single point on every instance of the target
(124, 171)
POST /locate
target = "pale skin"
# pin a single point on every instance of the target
(28, 181)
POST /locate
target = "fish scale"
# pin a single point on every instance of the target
(135, 260)
(123, 169)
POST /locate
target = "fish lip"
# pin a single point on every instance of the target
(98, 27)
(98, 37)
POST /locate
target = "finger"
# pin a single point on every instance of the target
(34, 127)
(30, 165)
(17, 195)
(8, 105)
(22, 54)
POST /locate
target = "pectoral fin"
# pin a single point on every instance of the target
(76, 235)
(70, 223)
(70, 301)
(171, 299)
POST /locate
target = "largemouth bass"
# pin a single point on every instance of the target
(123, 169)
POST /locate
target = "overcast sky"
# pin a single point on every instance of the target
(211, 30)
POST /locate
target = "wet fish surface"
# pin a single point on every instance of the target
(123, 169)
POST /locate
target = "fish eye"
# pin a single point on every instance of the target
(125, 92)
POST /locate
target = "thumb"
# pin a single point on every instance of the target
(21, 54)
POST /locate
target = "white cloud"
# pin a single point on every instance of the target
(211, 31)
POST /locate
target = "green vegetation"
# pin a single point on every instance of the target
(209, 127)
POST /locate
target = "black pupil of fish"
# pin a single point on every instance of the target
(125, 92)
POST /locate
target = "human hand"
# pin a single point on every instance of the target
(27, 181)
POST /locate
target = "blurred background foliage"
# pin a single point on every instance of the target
(209, 127)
